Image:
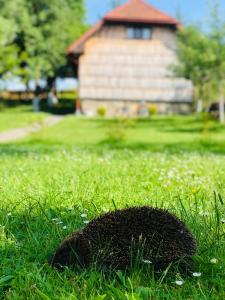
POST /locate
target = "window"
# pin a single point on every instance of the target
(139, 33)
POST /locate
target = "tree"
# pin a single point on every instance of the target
(217, 37)
(43, 31)
(195, 58)
(202, 58)
(8, 51)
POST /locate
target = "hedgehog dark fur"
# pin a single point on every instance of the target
(114, 238)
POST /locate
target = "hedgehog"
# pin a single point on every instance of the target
(117, 239)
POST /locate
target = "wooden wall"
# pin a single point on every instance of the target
(164, 34)
(132, 70)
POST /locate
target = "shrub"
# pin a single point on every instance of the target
(116, 134)
(2, 106)
(101, 111)
(153, 110)
(129, 123)
(117, 131)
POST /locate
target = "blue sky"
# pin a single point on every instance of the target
(192, 11)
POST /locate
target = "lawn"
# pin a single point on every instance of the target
(92, 165)
(20, 116)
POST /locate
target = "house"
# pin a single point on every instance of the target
(124, 63)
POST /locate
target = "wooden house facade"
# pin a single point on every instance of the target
(124, 63)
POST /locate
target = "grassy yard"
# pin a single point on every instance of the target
(90, 165)
(18, 117)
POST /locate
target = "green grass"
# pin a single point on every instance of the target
(20, 116)
(90, 165)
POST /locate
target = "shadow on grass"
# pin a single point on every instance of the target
(164, 124)
(64, 106)
(28, 148)
(40, 147)
(170, 148)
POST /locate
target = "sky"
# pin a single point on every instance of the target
(192, 11)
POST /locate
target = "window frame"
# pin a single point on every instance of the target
(138, 33)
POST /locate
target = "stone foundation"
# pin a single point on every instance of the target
(133, 108)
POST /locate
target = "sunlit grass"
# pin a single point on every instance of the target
(21, 116)
(53, 177)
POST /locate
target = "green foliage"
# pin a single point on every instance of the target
(128, 122)
(101, 111)
(2, 106)
(152, 109)
(8, 51)
(116, 133)
(43, 30)
(202, 57)
(191, 51)
(195, 57)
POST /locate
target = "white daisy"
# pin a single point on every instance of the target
(146, 261)
(83, 215)
(197, 274)
(204, 214)
(179, 282)
(214, 260)
(86, 222)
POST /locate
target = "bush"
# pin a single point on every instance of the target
(117, 131)
(2, 106)
(116, 134)
(101, 111)
(129, 123)
(153, 110)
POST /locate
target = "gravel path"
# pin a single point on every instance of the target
(19, 133)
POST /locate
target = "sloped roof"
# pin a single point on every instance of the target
(133, 11)
(139, 11)
(77, 45)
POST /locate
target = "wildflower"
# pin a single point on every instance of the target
(147, 261)
(197, 274)
(83, 215)
(170, 174)
(105, 209)
(194, 191)
(179, 282)
(9, 214)
(86, 222)
(55, 219)
(223, 221)
(59, 222)
(204, 214)
(64, 227)
(214, 260)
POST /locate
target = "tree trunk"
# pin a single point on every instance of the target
(199, 106)
(221, 108)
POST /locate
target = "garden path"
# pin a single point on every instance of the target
(19, 133)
